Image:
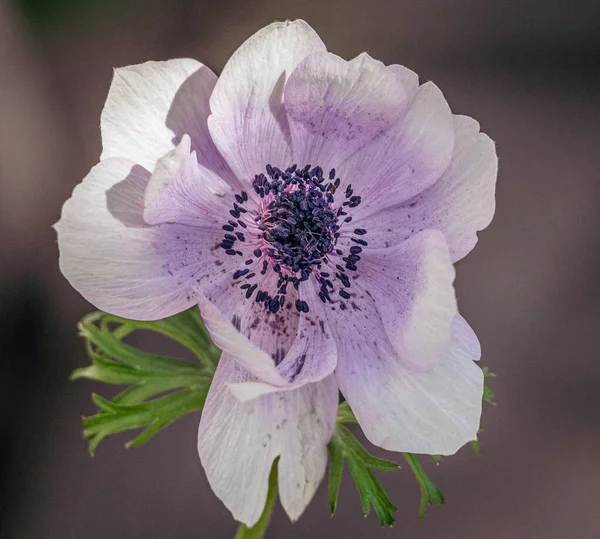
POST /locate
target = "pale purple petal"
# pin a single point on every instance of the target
(335, 106)
(273, 333)
(411, 284)
(248, 122)
(150, 107)
(407, 158)
(183, 191)
(434, 412)
(165, 170)
(303, 346)
(238, 442)
(284, 350)
(313, 354)
(237, 347)
(120, 263)
(459, 204)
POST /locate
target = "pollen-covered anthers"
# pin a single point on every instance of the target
(298, 227)
(234, 228)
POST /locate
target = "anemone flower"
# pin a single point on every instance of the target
(313, 208)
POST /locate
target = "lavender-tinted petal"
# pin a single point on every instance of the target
(313, 355)
(237, 347)
(294, 426)
(459, 204)
(407, 158)
(411, 284)
(285, 350)
(163, 174)
(183, 191)
(248, 122)
(433, 412)
(335, 106)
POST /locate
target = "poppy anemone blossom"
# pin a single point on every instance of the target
(313, 208)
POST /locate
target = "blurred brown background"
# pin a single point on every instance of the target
(529, 71)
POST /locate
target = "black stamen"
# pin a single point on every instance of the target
(237, 274)
(360, 242)
(250, 291)
(300, 225)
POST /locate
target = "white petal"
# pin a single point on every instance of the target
(248, 122)
(459, 204)
(411, 284)
(238, 443)
(117, 261)
(434, 412)
(335, 106)
(151, 106)
(409, 79)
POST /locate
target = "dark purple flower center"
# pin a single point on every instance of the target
(295, 232)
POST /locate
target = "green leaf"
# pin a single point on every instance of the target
(160, 389)
(186, 328)
(487, 373)
(488, 394)
(345, 414)
(430, 494)
(345, 447)
(153, 415)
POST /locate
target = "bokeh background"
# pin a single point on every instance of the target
(529, 71)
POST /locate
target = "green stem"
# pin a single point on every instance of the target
(259, 529)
